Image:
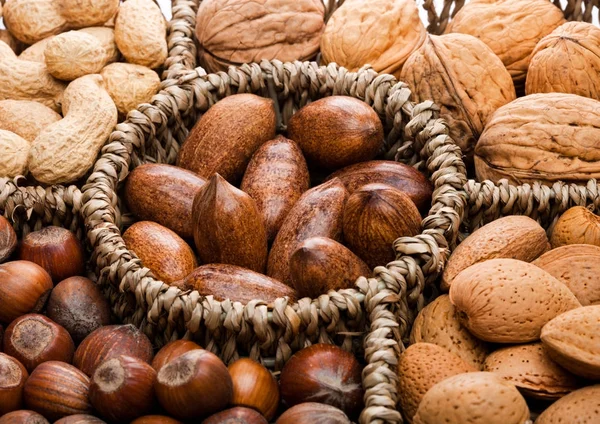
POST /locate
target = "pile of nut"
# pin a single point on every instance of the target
(62, 361)
(69, 70)
(274, 236)
(520, 324)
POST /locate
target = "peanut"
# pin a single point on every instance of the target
(14, 152)
(129, 85)
(26, 118)
(24, 80)
(74, 54)
(140, 32)
(66, 150)
(35, 52)
(33, 20)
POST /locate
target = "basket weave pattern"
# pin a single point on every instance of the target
(154, 133)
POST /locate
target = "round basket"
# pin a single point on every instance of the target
(360, 319)
(487, 200)
(46, 201)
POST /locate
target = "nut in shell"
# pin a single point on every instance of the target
(14, 154)
(584, 402)
(74, 54)
(566, 61)
(130, 85)
(578, 225)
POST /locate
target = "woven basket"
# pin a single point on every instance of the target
(487, 200)
(361, 319)
(54, 205)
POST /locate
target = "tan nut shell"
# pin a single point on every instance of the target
(511, 28)
(463, 76)
(74, 54)
(530, 369)
(286, 30)
(580, 407)
(67, 149)
(141, 33)
(14, 154)
(87, 13)
(130, 85)
(382, 33)
(438, 323)
(572, 340)
(24, 80)
(577, 225)
(35, 52)
(576, 266)
(421, 367)
(9, 39)
(474, 398)
(516, 237)
(541, 137)
(508, 301)
(567, 61)
(26, 118)
(32, 20)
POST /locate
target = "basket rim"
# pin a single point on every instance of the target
(377, 294)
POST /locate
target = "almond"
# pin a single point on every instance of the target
(580, 407)
(228, 227)
(572, 340)
(162, 251)
(578, 225)
(421, 367)
(508, 301)
(530, 369)
(474, 398)
(439, 323)
(516, 237)
(574, 265)
(318, 213)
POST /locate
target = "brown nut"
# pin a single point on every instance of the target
(374, 217)
(12, 380)
(23, 417)
(336, 131)
(228, 227)
(238, 124)
(162, 251)
(8, 239)
(313, 413)
(171, 351)
(80, 419)
(318, 212)
(163, 194)
(320, 264)
(578, 225)
(236, 415)
(33, 339)
(584, 402)
(254, 387)
(275, 178)
(155, 419)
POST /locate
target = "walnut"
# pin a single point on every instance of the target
(512, 28)
(465, 78)
(381, 33)
(541, 137)
(567, 61)
(233, 32)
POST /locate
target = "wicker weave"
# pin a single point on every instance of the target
(487, 200)
(154, 134)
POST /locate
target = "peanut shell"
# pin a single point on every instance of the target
(318, 212)
(228, 227)
(515, 237)
(26, 118)
(508, 301)
(580, 407)
(14, 154)
(87, 13)
(474, 398)
(575, 265)
(571, 339)
(439, 323)
(74, 54)
(162, 251)
(530, 369)
(130, 85)
(32, 20)
(275, 178)
(421, 367)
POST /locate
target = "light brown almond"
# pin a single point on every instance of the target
(580, 407)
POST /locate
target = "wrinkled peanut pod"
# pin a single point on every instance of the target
(22, 80)
(74, 54)
(14, 153)
(26, 118)
(87, 13)
(130, 85)
(140, 33)
(65, 150)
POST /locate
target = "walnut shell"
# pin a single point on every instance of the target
(232, 32)
(511, 28)
(541, 137)
(464, 76)
(577, 225)
(382, 34)
(567, 61)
